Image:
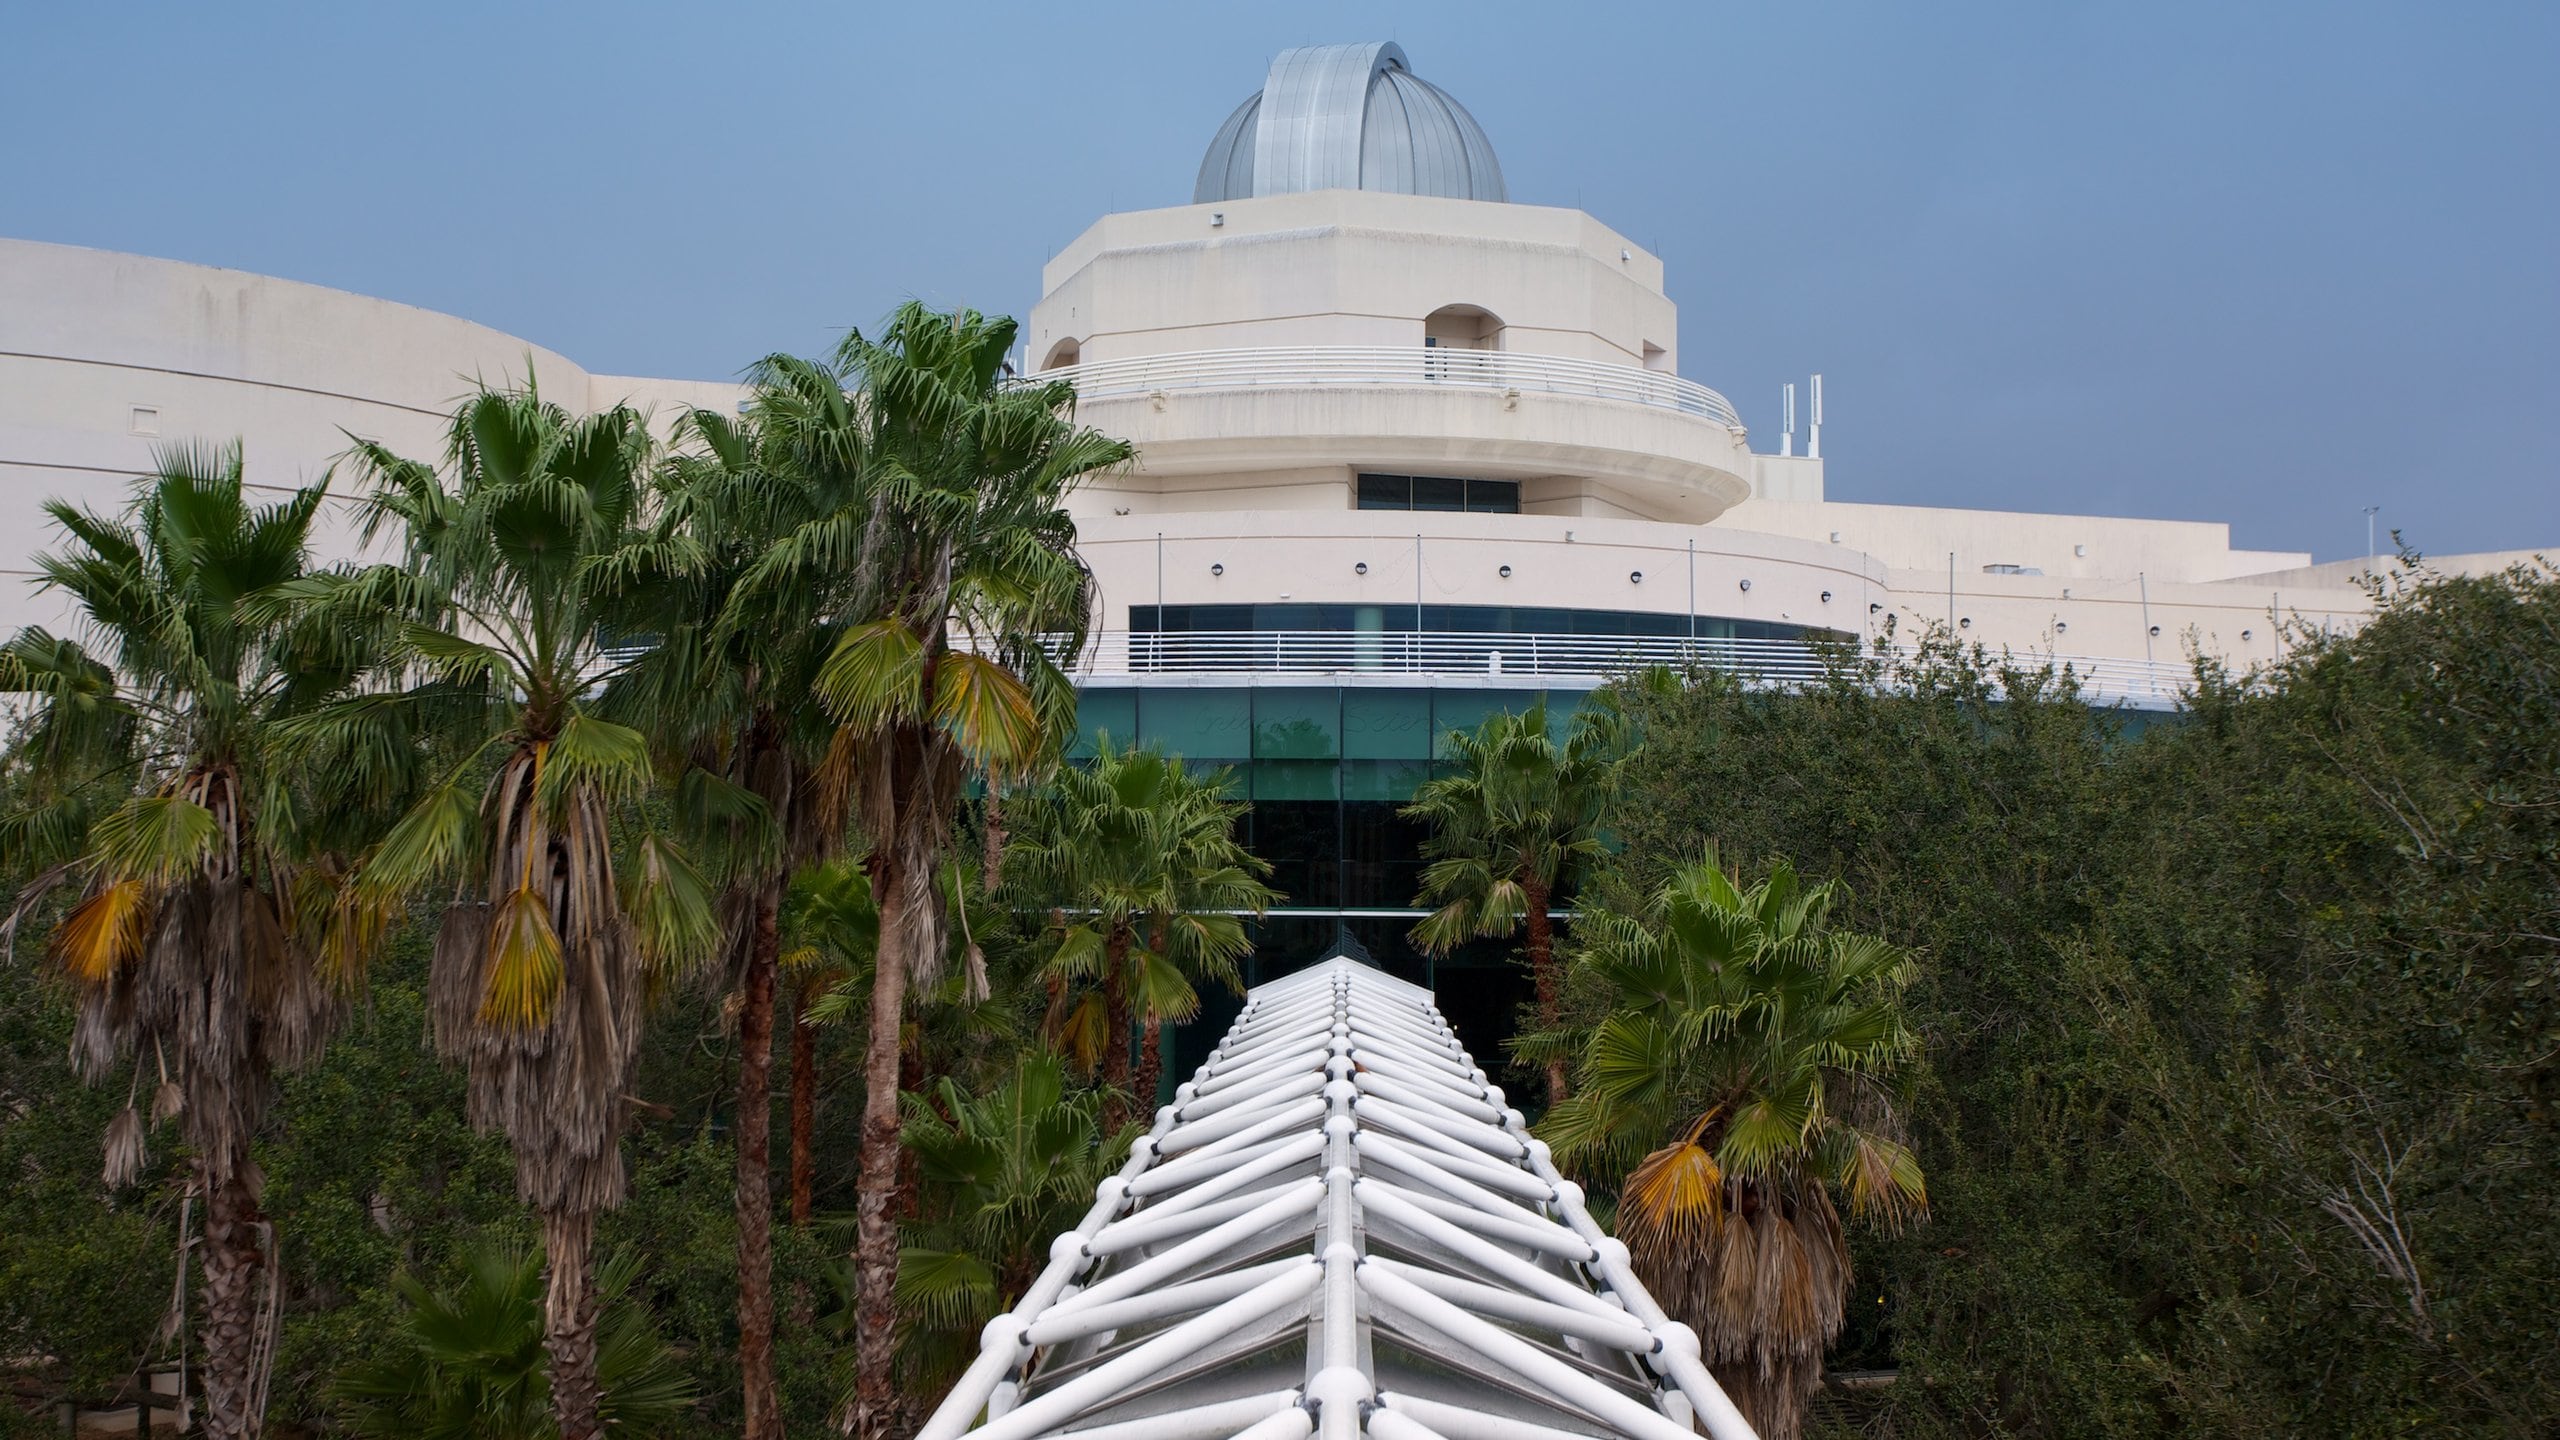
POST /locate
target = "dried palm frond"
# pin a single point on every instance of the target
(124, 1149)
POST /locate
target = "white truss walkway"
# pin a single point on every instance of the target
(1337, 1229)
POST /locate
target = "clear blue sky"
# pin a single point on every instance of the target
(2258, 262)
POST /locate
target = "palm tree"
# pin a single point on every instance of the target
(1001, 1171)
(1512, 824)
(951, 562)
(473, 1367)
(1746, 1071)
(1137, 857)
(200, 941)
(725, 691)
(570, 905)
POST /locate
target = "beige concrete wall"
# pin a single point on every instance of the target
(1585, 561)
(1350, 267)
(104, 356)
(1918, 537)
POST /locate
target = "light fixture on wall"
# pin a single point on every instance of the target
(2061, 627)
(1361, 568)
(2244, 634)
(1504, 572)
(1635, 577)
(2080, 552)
(1874, 606)
(1965, 624)
(1217, 569)
(1826, 597)
(1746, 585)
(2155, 630)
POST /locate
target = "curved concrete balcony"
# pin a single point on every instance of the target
(1614, 436)
(1450, 659)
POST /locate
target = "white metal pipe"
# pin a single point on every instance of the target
(1062, 1323)
(1072, 1397)
(1215, 1421)
(1459, 1423)
(1272, 1162)
(1159, 1224)
(1619, 1331)
(1379, 1199)
(1519, 1357)
(1298, 1199)
(1289, 1424)
(1518, 1183)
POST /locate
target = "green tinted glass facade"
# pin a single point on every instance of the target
(1325, 769)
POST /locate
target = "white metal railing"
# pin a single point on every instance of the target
(1194, 654)
(1299, 366)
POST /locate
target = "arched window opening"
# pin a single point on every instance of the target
(1064, 353)
(1462, 327)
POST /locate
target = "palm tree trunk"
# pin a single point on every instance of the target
(1150, 1066)
(1542, 969)
(231, 1259)
(1119, 1021)
(569, 1323)
(754, 1191)
(875, 1255)
(804, 1110)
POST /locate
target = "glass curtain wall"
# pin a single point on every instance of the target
(1326, 768)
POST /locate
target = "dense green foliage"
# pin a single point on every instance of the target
(2237, 1085)
(2241, 1030)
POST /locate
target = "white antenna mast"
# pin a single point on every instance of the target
(1787, 432)
(1813, 436)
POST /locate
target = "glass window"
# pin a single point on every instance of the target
(1386, 724)
(1494, 497)
(1301, 840)
(1431, 493)
(1297, 724)
(1104, 712)
(1467, 709)
(1386, 492)
(1296, 780)
(1201, 724)
(1390, 780)
(1381, 855)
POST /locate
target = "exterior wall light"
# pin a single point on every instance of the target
(1217, 569)
(2061, 627)
(2244, 634)
(1965, 624)
(2080, 552)
(1504, 572)
(1746, 585)
(1874, 605)
(1826, 597)
(1360, 569)
(1635, 577)
(2155, 629)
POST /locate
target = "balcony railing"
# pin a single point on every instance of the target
(1193, 656)
(1303, 366)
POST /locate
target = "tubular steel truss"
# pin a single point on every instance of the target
(1337, 1229)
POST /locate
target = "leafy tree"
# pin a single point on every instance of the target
(1137, 857)
(572, 904)
(725, 691)
(1744, 1072)
(1000, 1172)
(474, 1366)
(200, 947)
(1512, 825)
(955, 565)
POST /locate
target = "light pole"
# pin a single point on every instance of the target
(2369, 512)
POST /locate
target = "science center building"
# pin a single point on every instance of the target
(1408, 452)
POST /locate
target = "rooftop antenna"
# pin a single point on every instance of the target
(1813, 434)
(1787, 432)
